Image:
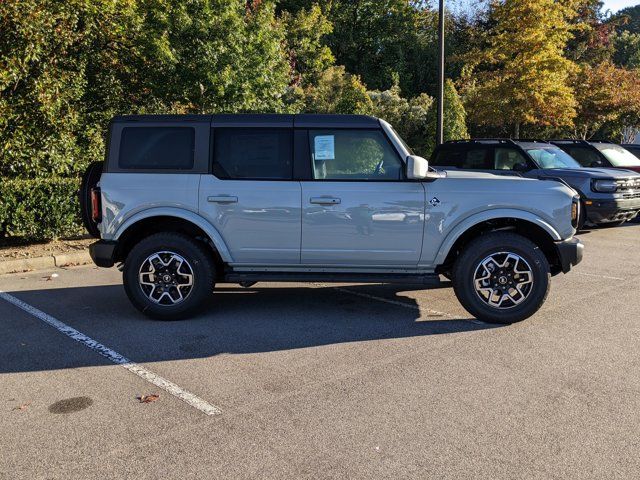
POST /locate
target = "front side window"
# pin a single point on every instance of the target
(157, 148)
(552, 157)
(618, 156)
(253, 153)
(353, 155)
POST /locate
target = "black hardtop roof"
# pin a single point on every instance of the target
(570, 141)
(496, 141)
(261, 120)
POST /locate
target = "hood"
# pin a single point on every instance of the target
(483, 174)
(590, 173)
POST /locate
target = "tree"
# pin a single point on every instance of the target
(61, 63)
(212, 56)
(337, 92)
(608, 96)
(305, 31)
(627, 50)
(522, 77)
(415, 118)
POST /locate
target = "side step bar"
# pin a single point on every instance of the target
(429, 280)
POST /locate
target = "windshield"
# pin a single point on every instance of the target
(618, 156)
(552, 157)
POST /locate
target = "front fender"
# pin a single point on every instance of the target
(444, 247)
(189, 216)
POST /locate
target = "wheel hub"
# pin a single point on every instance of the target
(503, 280)
(166, 278)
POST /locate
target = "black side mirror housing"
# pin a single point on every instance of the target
(596, 164)
(521, 167)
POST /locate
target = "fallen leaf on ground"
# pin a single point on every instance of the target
(148, 398)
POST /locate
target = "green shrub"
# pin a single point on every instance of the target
(39, 209)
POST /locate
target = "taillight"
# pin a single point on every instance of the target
(96, 207)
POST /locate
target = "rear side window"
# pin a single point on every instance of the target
(508, 158)
(253, 154)
(157, 148)
(472, 158)
(584, 155)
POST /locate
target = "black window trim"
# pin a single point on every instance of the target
(240, 126)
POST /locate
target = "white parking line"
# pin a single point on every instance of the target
(115, 357)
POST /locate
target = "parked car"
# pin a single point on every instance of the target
(635, 149)
(608, 196)
(183, 202)
(600, 154)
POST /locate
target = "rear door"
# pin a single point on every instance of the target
(250, 195)
(357, 207)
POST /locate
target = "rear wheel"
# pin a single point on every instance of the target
(501, 278)
(168, 276)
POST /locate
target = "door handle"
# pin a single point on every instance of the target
(325, 200)
(222, 199)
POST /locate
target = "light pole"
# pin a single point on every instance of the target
(440, 113)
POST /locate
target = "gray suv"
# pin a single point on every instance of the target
(183, 202)
(608, 196)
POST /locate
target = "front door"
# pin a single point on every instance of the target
(358, 210)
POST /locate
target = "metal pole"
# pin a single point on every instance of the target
(440, 113)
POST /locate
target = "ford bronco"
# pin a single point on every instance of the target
(183, 202)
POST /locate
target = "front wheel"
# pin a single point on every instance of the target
(501, 278)
(168, 276)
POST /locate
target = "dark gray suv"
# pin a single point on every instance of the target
(608, 196)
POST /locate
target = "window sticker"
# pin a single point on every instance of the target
(324, 147)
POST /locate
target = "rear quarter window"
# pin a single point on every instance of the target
(157, 148)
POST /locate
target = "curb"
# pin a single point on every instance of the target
(44, 263)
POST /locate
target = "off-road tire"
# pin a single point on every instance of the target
(492, 243)
(199, 259)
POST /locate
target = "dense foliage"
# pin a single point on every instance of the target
(68, 66)
(39, 209)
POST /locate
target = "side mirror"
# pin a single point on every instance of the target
(417, 168)
(596, 164)
(520, 167)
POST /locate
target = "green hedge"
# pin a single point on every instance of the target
(39, 209)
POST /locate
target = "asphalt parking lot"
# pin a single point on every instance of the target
(319, 381)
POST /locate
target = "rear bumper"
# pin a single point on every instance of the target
(570, 253)
(103, 253)
(612, 210)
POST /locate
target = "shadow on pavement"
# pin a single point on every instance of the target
(235, 321)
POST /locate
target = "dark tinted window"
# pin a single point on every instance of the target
(474, 158)
(253, 153)
(508, 158)
(635, 150)
(157, 148)
(353, 155)
(584, 155)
